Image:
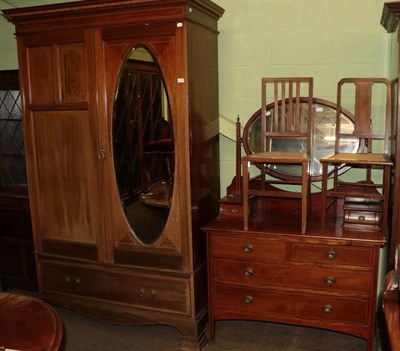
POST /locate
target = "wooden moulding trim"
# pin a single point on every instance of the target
(105, 10)
(152, 260)
(390, 15)
(9, 80)
(105, 5)
(68, 249)
(14, 202)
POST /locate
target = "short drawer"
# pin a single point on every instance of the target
(231, 209)
(143, 290)
(332, 254)
(249, 248)
(265, 304)
(366, 217)
(255, 274)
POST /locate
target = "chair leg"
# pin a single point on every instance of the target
(304, 197)
(245, 191)
(324, 186)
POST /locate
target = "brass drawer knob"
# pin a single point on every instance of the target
(331, 254)
(330, 280)
(361, 218)
(328, 308)
(248, 248)
(234, 210)
(72, 280)
(248, 272)
(248, 299)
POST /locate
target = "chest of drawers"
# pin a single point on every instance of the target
(311, 280)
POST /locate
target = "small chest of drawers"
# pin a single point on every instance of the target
(319, 281)
(362, 216)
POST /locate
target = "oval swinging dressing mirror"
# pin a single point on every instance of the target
(143, 145)
(324, 124)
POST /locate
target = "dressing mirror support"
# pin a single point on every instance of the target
(90, 257)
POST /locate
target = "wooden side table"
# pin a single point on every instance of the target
(27, 323)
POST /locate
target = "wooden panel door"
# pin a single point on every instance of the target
(61, 138)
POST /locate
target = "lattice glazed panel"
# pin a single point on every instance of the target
(12, 153)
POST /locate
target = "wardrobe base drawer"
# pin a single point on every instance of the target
(148, 291)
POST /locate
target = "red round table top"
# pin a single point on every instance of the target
(28, 324)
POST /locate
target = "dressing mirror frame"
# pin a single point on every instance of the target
(275, 172)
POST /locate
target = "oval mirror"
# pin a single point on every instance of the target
(324, 124)
(143, 145)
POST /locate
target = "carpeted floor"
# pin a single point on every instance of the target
(83, 334)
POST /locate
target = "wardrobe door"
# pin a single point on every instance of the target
(128, 239)
(61, 141)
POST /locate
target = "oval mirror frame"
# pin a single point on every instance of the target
(143, 145)
(324, 117)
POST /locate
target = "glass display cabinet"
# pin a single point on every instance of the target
(17, 261)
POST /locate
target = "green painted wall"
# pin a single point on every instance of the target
(325, 39)
(8, 47)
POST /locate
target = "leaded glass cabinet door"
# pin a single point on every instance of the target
(17, 261)
(12, 152)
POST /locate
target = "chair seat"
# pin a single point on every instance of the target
(361, 159)
(277, 157)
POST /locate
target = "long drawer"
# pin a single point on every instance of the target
(142, 290)
(313, 277)
(265, 304)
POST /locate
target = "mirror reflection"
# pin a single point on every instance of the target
(143, 145)
(324, 117)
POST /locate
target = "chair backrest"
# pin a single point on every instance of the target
(287, 117)
(366, 105)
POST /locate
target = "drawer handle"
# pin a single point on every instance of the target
(248, 299)
(248, 272)
(149, 294)
(361, 218)
(328, 308)
(248, 248)
(331, 254)
(330, 280)
(234, 210)
(72, 280)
